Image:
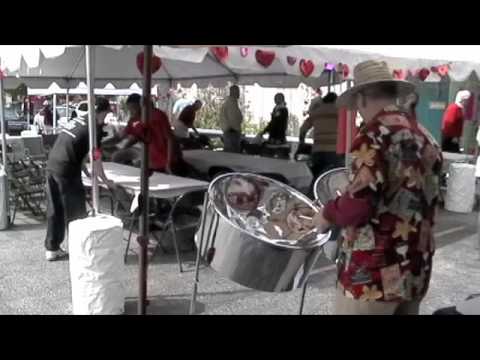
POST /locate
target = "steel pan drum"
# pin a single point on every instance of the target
(258, 232)
(330, 185)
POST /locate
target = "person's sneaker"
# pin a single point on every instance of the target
(56, 255)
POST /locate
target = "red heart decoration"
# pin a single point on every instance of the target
(346, 70)
(443, 70)
(221, 53)
(291, 60)
(244, 51)
(156, 63)
(422, 74)
(265, 58)
(399, 74)
(306, 67)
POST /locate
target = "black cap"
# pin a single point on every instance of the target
(102, 105)
(134, 99)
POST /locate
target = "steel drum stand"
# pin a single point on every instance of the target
(206, 203)
(302, 299)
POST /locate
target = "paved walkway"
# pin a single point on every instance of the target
(30, 285)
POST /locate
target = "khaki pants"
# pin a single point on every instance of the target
(347, 306)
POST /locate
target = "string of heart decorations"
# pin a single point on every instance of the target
(265, 58)
(423, 73)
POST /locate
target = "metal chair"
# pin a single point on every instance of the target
(186, 204)
(27, 181)
(327, 187)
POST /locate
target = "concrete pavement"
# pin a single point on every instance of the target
(30, 285)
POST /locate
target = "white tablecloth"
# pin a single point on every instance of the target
(297, 173)
(160, 185)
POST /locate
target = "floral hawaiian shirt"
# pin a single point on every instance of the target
(388, 212)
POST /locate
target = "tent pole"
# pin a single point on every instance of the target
(54, 111)
(144, 208)
(329, 81)
(92, 123)
(28, 109)
(2, 119)
(4, 140)
(348, 144)
(67, 100)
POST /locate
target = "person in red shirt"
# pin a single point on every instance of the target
(164, 153)
(452, 123)
(388, 212)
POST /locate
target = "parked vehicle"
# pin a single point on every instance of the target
(62, 118)
(15, 121)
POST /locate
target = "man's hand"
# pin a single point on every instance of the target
(321, 223)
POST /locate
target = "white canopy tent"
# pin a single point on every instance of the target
(82, 89)
(100, 65)
(463, 60)
(116, 65)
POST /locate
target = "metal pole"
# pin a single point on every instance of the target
(302, 299)
(329, 80)
(92, 123)
(67, 105)
(201, 231)
(54, 111)
(144, 223)
(4, 143)
(2, 120)
(348, 132)
(28, 110)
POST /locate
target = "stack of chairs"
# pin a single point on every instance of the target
(27, 183)
(27, 177)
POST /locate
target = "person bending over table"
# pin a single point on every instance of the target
(186, 119)
(66, 196)
(165, 154)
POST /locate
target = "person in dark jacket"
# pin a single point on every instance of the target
(65, 192)
(277, 127)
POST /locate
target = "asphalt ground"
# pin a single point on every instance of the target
(31, 285)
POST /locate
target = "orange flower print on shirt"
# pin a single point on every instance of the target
(371, 294)
(364, 156)
(403, 230)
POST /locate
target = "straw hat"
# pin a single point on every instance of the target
(369, 73)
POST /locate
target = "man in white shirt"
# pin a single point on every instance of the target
(180, 104)
(231, 119)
